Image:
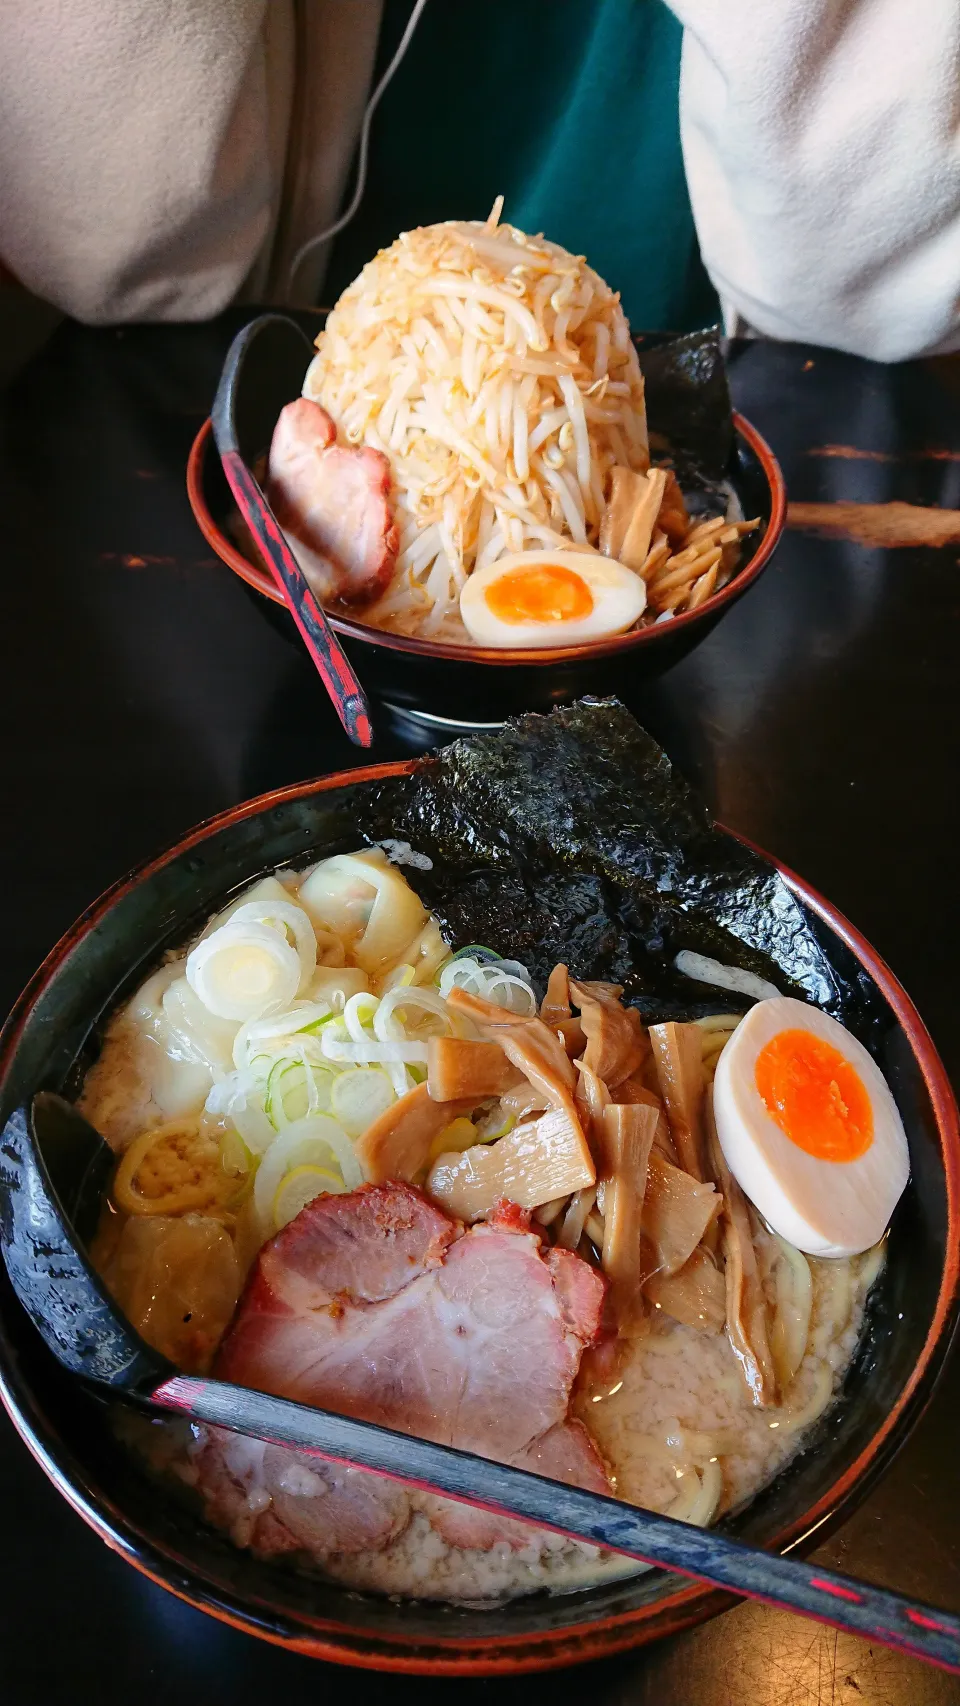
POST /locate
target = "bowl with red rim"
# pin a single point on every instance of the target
(53, 1033)
(444, 682)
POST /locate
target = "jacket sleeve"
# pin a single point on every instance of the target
(136, 177)
(822, 148)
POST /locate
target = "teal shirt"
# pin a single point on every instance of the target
(569, 109)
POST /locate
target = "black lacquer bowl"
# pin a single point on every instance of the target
(443, 683)
(53, 1033)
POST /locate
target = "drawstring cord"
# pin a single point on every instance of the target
(371, 107)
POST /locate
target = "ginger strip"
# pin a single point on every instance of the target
(616, 1041)
(628, 1132)
(458, 1067)
(694, 1295)
(634, 1090)
(573, 1037)
(576, 1217)
(630, 516)
(535, 1164)
(535, 1050)
(555, 1011)
(398, 1144)
(555, 1005)
(669, 591)
(702, 589)
(626, 491)
(673, 518)
(677, 1211)
(655, 559)
(746, 1307)
(636, 540)
(677, 1052)
(592, 1097)
(708, 530)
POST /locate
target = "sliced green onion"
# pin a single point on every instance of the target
(238, 1099)
(256, 1035)
(284, 916)
(359, 1014)
(409, 999)
(315, 1142)
(243, 971)
(318, 1025)
(400, 978)
(302, 1185)
(359, 1097)
(504, 982)
(296, 1088)
(235, 1158)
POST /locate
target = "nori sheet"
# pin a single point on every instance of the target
(572, 837)
(688, 410)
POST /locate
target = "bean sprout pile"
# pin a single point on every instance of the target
(497, 373)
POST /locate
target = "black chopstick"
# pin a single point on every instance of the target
(707, 1555)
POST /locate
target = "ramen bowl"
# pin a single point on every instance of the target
(53, 1034)
(444, 682)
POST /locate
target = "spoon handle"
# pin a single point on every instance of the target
(704, 1554)
(325, 649)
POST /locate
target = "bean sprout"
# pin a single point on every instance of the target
(459, 352)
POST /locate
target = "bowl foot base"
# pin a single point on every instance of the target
(425, 726)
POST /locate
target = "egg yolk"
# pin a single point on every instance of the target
(815, 1096)
(547, 592)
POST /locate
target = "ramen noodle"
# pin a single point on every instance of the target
(337, 1141)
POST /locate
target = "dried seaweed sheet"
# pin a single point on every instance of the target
(688, 409)
(572, 837)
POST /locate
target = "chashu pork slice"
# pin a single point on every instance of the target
(333, 503)
(379, 1305)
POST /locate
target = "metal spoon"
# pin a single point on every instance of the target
(52, 1170)
(263, 370)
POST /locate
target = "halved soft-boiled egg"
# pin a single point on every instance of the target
(809, 1129)
(550, 598)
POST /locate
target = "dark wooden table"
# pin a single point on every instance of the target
(143, 689)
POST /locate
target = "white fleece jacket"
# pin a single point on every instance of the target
(160, 157)
(140, 160)
(822, 146)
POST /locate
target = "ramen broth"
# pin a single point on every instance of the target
(318, 1053)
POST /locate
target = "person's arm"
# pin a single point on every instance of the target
(135, 172)
(822, 148)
